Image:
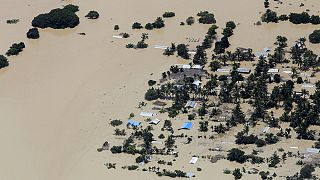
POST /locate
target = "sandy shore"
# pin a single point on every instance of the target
(59, 94)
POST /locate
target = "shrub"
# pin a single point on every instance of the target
(3, 61)
(12, 21)
(315, 37)
(151, 82)
(15, 49)
(137, 25)
(277, 78)
(306, 171)
(283, 17)
(116, 122)
(191, 116)
(231, 24)
(116, 27)
(151, 94)
(116, 149)
(158, 23)
(299, 80)
(129, 46)
(92, 15)
(168, 14)
(58, 18)
(190, 20)
(149, 26)
(33, 33)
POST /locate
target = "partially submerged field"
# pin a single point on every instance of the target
(58, 96)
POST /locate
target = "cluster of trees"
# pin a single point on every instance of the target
(141, 44)
(206, 18)
(92, 15)
(58, 18)
(15, 49)
(221, 45)
(157, 24)
(295, 18)
(33, 33)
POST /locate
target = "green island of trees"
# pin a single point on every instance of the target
(15, 49)
(58, 18)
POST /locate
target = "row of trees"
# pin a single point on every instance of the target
(295, 18)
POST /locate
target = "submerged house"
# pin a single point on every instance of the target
(187, 125)
(191, 104)
(133, 123)
(147, 114)
(243, 70)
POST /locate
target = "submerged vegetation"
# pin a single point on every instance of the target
(58, 18)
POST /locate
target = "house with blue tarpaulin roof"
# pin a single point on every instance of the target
(187, 125)
(133, 123)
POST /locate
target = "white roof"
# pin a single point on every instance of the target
(266, 129)
(197, 67)
(264, 54)
(312, 150)
(192, 52)
(154, 121)
(189, 174)
(307, 85)
(183, 66)
(160, 47)
(147, 114)
(197, 82)
(191, 104)
(273, 70)
(193, 160)
(223, 70)
(118, 37)
(266, 49)
(287, 71)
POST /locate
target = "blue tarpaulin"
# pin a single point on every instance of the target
(187, 125)
(133, 123)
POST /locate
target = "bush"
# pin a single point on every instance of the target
(260, 142)
(58, 18)
(149, 26)
(116, 122)
(315, 37)
(3, 61)
(12, 21)
(137, 25)
(231, 24)
(299, 80)
(92, 15)
(33, 33)
(277, 78)
(129, 46)
(116, 27)
(158, 23)
(190, 20)
(168, 14)
(15, 49)
(151, 82)
(283, 17)
(315, 19)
